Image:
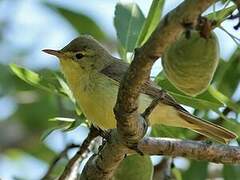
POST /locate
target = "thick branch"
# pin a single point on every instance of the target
(198, 150)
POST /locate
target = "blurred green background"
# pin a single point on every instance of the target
(28, 26)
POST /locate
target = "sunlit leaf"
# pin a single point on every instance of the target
(26, 75)
(47, 81)
(128, 22)
(78, 121)
(152, 20)
(63, 119)
(135, 167)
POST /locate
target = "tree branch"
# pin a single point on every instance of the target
(162, 171)
(198, 150)
(57, 159)
(130, 125)
(70, 171)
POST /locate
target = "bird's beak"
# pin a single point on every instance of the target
(57, 53)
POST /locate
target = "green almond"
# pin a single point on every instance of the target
(190, 63)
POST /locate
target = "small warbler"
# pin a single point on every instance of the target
(94, 76)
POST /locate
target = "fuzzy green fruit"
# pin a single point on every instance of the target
(190, 63)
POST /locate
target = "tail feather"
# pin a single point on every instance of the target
(207, 128)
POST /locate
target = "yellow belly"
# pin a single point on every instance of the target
(97, 94)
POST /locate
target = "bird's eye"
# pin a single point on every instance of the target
(79, 55)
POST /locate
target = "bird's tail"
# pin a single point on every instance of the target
(207, 128)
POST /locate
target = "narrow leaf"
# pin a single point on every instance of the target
(79, 121)
(231, 124)
(152, 21)
(63, 119)
(128, 22)
(224, 99)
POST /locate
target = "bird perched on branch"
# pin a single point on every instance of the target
(94, 77)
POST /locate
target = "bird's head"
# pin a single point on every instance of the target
(83, 54)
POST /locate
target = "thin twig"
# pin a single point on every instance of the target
(57, 159)
(162, 171)
(151, 107)
(70, 171)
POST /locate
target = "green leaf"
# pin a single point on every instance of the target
(66, 89)
(62, 119)
(79, 121)
(171, 132)
(82, 23)
(203, 101)
(231, 124)
(64, 124)
(224, 99)
(195, 102)
(47, 81)
(28, 76)
(228, 74)
(231, 172)
(176, 173)
(152, 20)
(135, 167)
(128, 22)
(197, 169)
(221, 15)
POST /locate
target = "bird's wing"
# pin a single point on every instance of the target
(116, 71)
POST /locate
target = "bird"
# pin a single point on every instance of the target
(94, 77)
